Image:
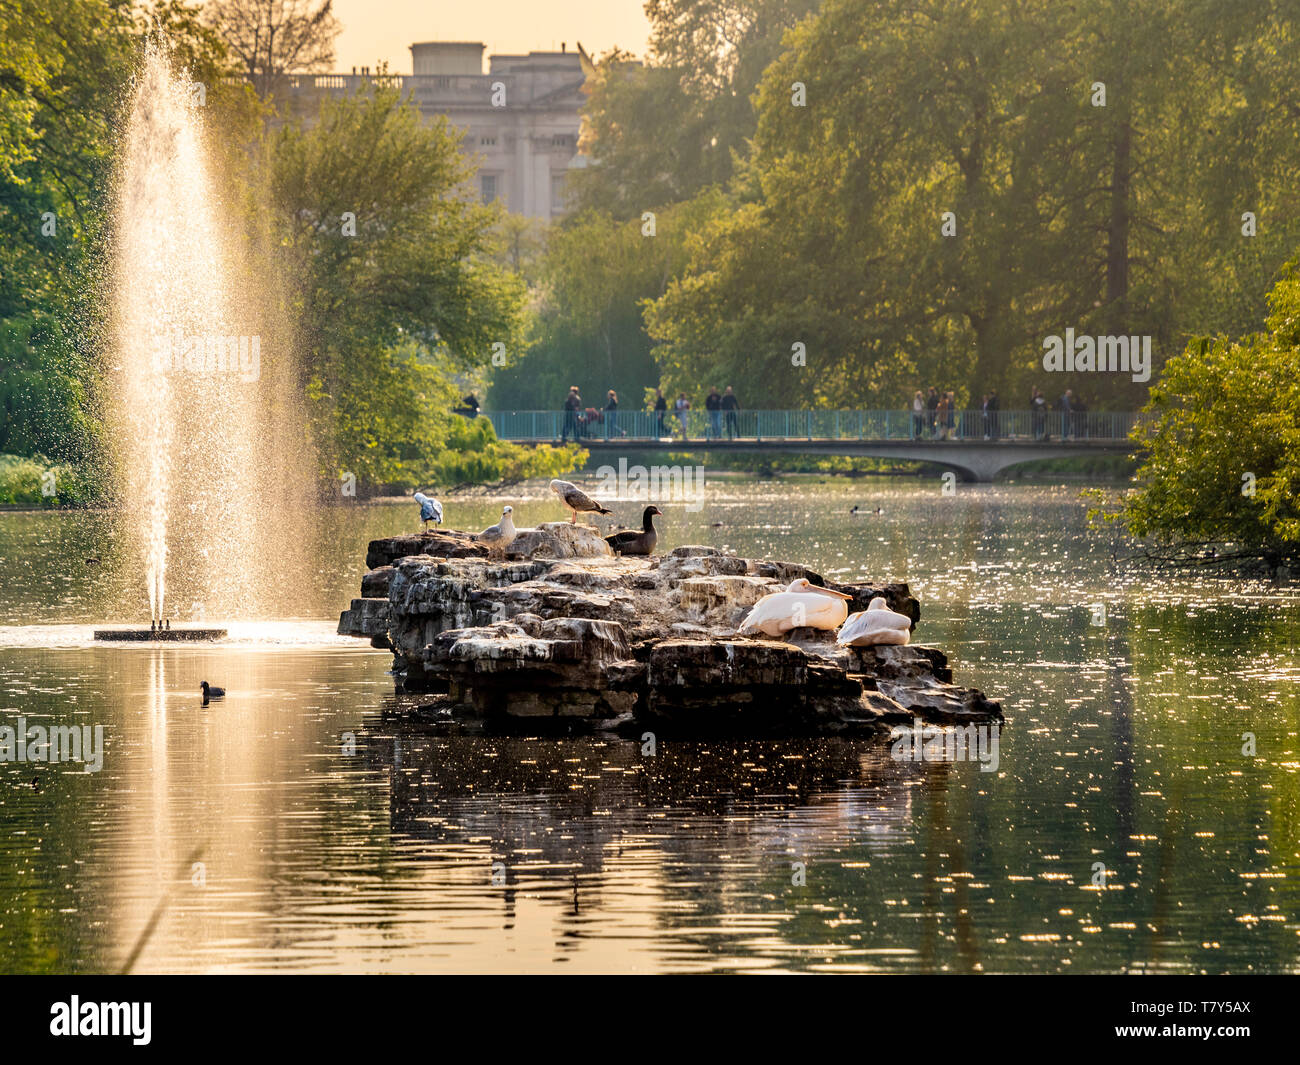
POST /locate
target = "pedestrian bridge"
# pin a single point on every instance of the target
(975, 446)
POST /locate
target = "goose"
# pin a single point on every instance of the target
(500, 536)
(209, 692)
(802, 605)
(637, 543)
(875, 625)
(576, 499)
(430, 510)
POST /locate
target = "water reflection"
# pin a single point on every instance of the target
(334, 839)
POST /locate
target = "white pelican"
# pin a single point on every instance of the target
(876, 624)
(500, 536)
(430, 510)
(576, 499)
(802, 605)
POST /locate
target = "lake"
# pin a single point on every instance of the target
(1143, 815)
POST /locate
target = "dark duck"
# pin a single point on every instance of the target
(209, 692)
(637, 543)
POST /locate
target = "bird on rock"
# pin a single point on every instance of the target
(637, 543)
(875, 625)
(576, 499)
(430, 510)
(802, 605)
(501, 535)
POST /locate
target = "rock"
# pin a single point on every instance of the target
(441, 544)
(559, 539)
(374, 585)
(576, 669)
(593, 641)
(366, 618)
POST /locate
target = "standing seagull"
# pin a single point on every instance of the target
(576, 499)
(430, 510)
(501, 535)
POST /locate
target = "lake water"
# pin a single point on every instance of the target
(299, 825)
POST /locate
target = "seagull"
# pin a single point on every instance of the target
(501, 535)
(209, 692)
(430, 510)
(802, 605)
(576, 499)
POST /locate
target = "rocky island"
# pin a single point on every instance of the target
(558, 632)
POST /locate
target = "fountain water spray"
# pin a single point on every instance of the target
(187, 413)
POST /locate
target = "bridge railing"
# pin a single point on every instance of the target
(697, 426)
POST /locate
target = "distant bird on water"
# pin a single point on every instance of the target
(500, 536)
(430, 510)
(209, 692)
(576, 499)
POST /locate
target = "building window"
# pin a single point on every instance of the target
(558, 202)
(488, 185)
(561, 140)
(487, 142)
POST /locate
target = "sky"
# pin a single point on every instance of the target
(375, 30)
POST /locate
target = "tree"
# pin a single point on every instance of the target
(389, 284)
(272, 38)
(1222, 462)
(950, 193)
(586, 327)
(662, 132)
(63, 66)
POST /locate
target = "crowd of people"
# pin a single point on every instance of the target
(935, 416)
(722, 408)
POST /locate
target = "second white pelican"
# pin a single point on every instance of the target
(875, 625)
(802, 605)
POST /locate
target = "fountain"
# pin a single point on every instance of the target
(190, 417)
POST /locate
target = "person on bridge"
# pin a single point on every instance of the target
(918, 414)
(611, 414)
(1038, 414)
(994, 406)
(572, 404)
(661, 408)
(932, 410)
(731, 404)
(1066, 406)
(713, 404)
(682, 406)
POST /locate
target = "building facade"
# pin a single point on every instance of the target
(520, 120)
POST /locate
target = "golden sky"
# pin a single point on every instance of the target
(375, 30)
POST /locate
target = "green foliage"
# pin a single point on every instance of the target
(384, 317)
(1124, 218)
(64, 65)
(23, 480)
(1225, 418)
(664, 131)
(398, 431)
(587, 328)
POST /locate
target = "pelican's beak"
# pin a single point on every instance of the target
(831, 592)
